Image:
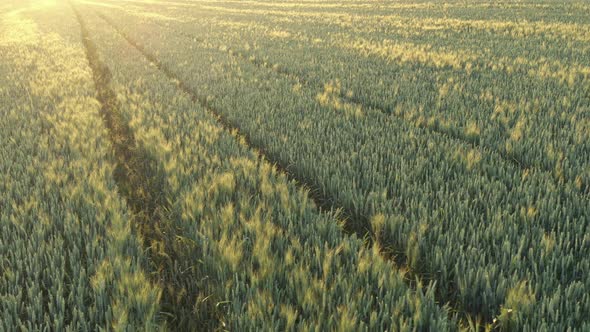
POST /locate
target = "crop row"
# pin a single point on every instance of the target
(463, 40)
(533, 112)
(70, 259)
(498, 239)
(248, 248)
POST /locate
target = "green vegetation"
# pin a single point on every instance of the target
(350, 165)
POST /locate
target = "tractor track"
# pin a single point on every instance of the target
(142, 183)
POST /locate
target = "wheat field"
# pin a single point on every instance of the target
(300, 165)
